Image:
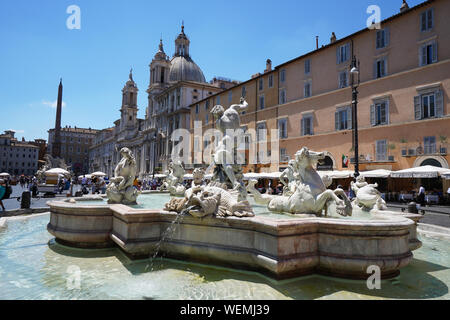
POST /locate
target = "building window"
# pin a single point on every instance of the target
(343, 53)
(283, 75)
(381, 150)
(230, 96)
(343, 118)
(282, 96)
(379, 113)
(261, 84)
(282, 128)
(261, 131)
(307, 66)
(343, 79)
(307, 89)
(429, 144)
(243, 92)
(207, 118)
(307, 125)
(428, 105)
(207, 105)
(382, 38)
(427, 20)
(197, 108)
(261, 102)
(428, 53)
(380, 68)
(271, 81)
(218, 99)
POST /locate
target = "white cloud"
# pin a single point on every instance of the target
(52, 104)
(17, 131)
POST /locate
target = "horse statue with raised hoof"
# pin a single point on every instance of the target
(309, 195)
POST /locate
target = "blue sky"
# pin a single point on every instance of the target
(229, 38)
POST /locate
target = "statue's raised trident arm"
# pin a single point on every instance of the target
(242, 106)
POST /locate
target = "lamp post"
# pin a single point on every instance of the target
(355, 81)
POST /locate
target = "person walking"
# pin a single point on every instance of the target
(2, 193)
(421, 196)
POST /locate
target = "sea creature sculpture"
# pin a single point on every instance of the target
(120, 188)
(367, 195)
(174, 180)
(309, 195)
(213, 199)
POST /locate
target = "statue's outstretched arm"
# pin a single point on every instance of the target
(241, 106)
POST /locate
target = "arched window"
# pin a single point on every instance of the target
(431, 162)
(325, 165)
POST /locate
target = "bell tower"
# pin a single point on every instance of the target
(129, 107)
(182, 44)
(159, 76)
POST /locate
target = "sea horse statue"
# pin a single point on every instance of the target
(310, 195)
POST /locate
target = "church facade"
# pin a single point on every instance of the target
(175, 84)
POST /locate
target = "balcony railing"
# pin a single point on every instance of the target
(419, 151)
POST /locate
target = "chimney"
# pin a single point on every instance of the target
(317, 42)
(268, 66)
(404, 6)
(333, 38)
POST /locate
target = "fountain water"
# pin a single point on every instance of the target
(215, 223)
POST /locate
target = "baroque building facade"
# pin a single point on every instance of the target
(175, 84)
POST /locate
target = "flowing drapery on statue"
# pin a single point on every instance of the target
(120, 188)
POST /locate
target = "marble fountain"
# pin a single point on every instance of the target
(308, 230)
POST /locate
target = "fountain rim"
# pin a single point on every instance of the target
(386, 218)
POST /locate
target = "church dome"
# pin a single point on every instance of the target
(183, 68)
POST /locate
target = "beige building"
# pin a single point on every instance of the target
(75, 143)
(403, 100)
(17, 157)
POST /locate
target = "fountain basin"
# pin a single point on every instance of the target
(282, 248)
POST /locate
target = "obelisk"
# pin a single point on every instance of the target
(56, 149)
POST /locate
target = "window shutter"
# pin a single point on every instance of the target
(349, 118)
(372, 115)
(338, 55)
(347, 51)
(377, 40)
(336, 120)
(435, 53)
(423, 18)
(375, 75)
(439, 104)
(303, 126)
(387, 111)
(417, 108)
(386, 37)
(385, 60)
(423, 55)
(430, 18)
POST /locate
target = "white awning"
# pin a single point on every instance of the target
(98, 174)
(343, 174)
(4, 174)
(379, 173)
(420, 172)
(56, 171)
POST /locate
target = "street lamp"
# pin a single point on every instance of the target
(355, 81)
